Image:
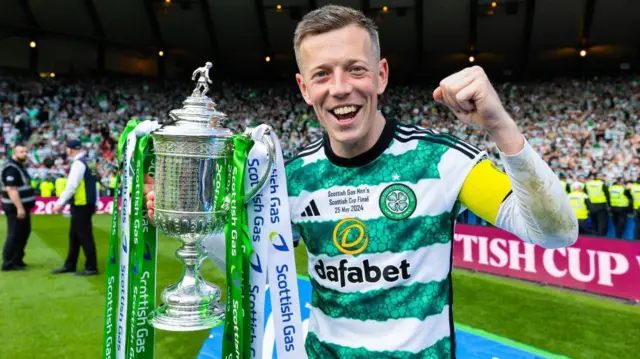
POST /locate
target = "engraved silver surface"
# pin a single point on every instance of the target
(188, 152)
(192, 152)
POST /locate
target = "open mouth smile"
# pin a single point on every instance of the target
(346, 112)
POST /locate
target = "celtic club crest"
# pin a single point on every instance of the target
(397, 201)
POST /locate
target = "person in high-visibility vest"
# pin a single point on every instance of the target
(635, 196)
(35, 184)
(81, 192)
(598, 193)
(112, 184)
(46, 188)
(60, 183)
(620, 204)
(581, 206)
(563, 182)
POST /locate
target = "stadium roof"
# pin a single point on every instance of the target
(424, 37)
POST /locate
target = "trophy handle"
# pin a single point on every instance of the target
(271, 150)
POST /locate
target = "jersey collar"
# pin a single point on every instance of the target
(367, 157)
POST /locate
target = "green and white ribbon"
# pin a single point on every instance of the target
(264, 230)
(132, 255)
(238, 248)
(143, 261)
(112, 268)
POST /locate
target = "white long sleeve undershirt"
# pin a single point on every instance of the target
(538, 211)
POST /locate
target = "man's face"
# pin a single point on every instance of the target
(20, 154)
(341, 78)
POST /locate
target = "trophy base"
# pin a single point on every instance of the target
(181, 319)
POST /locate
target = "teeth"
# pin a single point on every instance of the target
(345, 110)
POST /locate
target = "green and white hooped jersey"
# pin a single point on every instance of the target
(379, 230)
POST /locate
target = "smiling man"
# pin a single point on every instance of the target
(375, 201)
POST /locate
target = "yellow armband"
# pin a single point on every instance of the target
(484, 189)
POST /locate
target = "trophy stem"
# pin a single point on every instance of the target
(191, 259)
(192, 303)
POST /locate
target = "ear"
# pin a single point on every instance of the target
(383, 75)
(303, 89)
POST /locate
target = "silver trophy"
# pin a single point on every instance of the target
(192, 154)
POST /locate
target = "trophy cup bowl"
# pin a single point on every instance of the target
(191, 155)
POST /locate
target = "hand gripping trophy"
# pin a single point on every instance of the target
(193, 154)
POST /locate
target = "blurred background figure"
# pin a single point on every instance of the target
(620, 201)
(581, 206)
(81, 191)
(563, 182)
(47, 187)
(598, 193)
(59, 185)
(17, 200)
(635, 196)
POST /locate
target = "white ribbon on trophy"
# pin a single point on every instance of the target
(273, 259)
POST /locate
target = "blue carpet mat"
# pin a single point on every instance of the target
(470, 343)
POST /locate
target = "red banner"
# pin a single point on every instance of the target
(45, 206)
(599, 265)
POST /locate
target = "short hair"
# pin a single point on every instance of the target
(19, 144)
(333, 17)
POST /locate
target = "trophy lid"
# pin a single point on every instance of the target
(198, 117)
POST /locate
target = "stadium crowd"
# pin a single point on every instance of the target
(581, 127)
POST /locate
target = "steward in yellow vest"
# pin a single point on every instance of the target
(60, 183)
(81, 192)
(635, 196)
(112, 185)
(563, 182)
(598, 193)
(620, 204)
(46, 188)
(35, 184)
(581, 205)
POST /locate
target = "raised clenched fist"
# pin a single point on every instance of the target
(470, 95)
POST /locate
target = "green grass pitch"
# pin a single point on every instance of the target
(43, 316)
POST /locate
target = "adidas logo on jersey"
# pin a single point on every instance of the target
(311, 210)
(364, 273)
